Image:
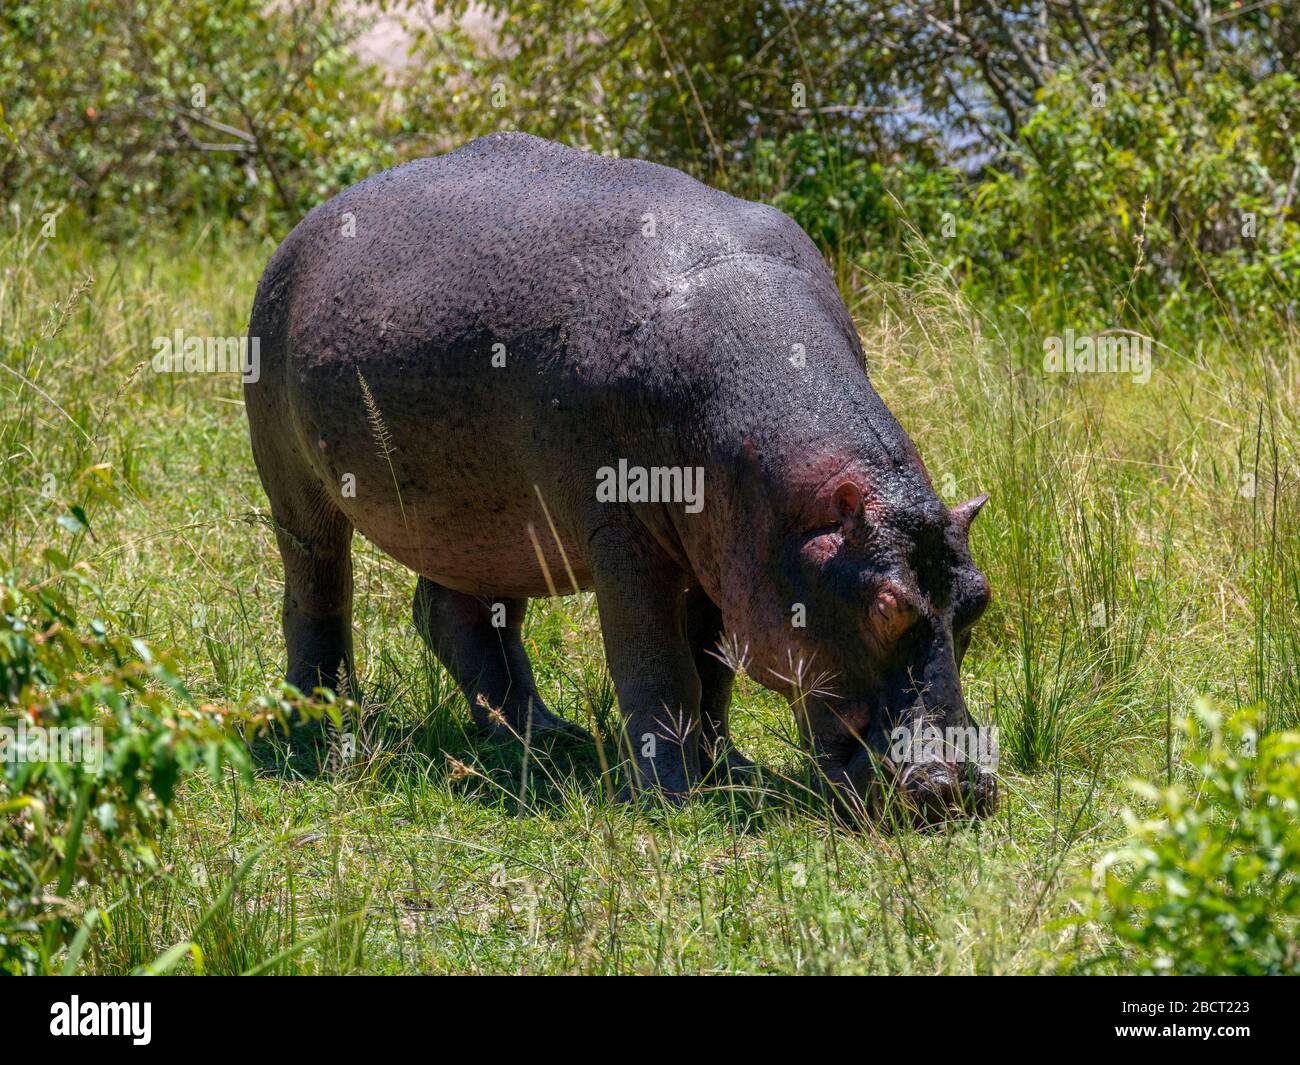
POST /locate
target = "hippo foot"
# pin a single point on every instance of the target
(656, 782)
(731, 767)
(650, 798)
(533, 725)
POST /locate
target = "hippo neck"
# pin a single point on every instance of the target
(762, 476)
(760, 382)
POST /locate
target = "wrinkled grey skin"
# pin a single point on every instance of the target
(641, 316)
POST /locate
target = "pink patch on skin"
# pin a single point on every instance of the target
(818, 479)
(847, 499)
(321, 443)
(822, 485)
(821, 549)
(889, 616)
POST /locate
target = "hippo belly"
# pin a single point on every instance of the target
(456, 501)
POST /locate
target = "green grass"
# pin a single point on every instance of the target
(1141, 542)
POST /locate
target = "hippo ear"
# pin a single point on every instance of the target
(850, 508)
(964, 513)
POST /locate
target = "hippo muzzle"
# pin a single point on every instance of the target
(923, 776)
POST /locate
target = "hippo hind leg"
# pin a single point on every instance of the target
(479, 642)
(317, 613)
(705, 631)
(315, 542)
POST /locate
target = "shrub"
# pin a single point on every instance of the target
(1191, 165)
(75, 816)
(1208, 883)
(167, 109)
(854, 207)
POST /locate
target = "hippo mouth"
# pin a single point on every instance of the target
(934, 793)
(917, 794)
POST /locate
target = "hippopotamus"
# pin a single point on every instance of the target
(525, 370)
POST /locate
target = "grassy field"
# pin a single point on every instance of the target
(1141, 541)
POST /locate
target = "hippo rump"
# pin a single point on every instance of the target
(524, 370)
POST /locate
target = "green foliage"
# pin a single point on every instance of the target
(1142, 194)
(176, 108)
(852, 206)
(87, 802)
(1122, 193)
(692, 86)
(1208, 883)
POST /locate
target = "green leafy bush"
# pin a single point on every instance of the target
(88, 801)
(855, 207)
(1191, 167)
(170, 109)
(181, 109)
(1209, 882)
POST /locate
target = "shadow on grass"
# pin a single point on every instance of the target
(415, 735)
(556, 777)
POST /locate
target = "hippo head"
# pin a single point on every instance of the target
(890, 596)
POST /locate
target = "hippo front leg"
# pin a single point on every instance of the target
(641, 597)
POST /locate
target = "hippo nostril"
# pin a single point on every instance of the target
(923, 776)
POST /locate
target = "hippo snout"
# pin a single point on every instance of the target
(917, 793)
(934, 792)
